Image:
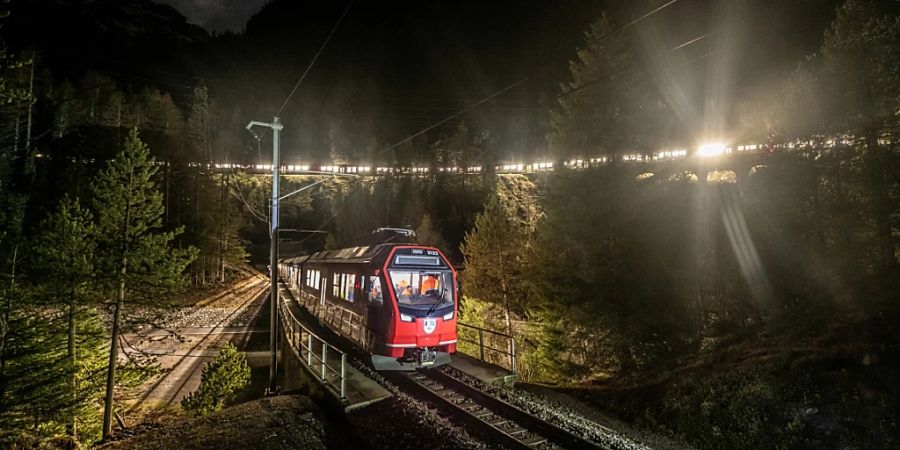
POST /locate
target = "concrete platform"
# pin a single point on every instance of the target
(481, 370)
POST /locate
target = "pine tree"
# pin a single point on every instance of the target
(136, 255)
(616, 109)
(15, 161)
(861, 73)
(220, 380)
(494, 253)
(427, 234)
(64, 251)
(56, 344)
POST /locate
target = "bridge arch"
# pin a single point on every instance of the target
(684, 176)
(757, 170)
(721, 176)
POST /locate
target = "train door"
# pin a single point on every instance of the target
(377, 314)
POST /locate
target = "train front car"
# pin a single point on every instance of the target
(421, 286)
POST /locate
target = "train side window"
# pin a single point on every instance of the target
(336, 285)
(312, 278)
(375, 294)
(349, 284)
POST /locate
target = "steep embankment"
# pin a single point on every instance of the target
(833, 388)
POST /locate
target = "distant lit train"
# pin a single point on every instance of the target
(396, 301)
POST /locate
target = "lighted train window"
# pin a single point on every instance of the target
(347, 287)
(336, 285)
(422, 288)
(343, 286)
(407, 260)
(312, 278)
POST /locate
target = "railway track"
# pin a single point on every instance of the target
(486, 416)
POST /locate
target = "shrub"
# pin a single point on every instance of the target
(220, 380)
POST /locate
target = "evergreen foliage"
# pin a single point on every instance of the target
(129, 213)
(40, 401)
(56, 354)
(495, 250)
(617, 108)
(598, 268)
(63, 260)
(220, 380)
(427, 234)
(134, 254)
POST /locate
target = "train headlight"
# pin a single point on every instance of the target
(448, 316)
(406, 318)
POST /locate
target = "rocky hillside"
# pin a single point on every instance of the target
(74, 35)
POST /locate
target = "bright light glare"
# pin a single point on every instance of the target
(711, 149)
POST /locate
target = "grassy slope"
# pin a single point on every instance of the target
(832, 388)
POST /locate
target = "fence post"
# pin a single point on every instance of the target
(309, 350)
(512, 354)
(481, 342)
(324, 357)
(343, 374)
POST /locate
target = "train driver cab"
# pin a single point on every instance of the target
(421, 293)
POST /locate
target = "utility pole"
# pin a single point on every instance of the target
(30, 104)
(276, 127)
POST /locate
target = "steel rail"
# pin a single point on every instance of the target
(489, 416)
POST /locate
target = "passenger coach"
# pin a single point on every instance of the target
(402, 297)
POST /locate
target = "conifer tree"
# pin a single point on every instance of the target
(427, 234)
(135, 253)
(494, 255)
(616, 108)
(220, 380)
(861, 73)
(64, 251)
(15, 161)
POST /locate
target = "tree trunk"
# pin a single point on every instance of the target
(7, 310)
(220, 257)
(113, 354)
(73, 426)
(881, 201)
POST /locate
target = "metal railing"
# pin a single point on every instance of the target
(345, 322)
(485, 351)
(313, 352)
(350, 324)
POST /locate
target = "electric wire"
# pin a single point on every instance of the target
(454, 115)
(630, 68)
(498, 93)
(623, 27)
(334, 215)
(316, 57)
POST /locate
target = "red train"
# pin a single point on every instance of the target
(396, 301)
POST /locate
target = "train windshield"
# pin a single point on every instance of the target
(423, 290)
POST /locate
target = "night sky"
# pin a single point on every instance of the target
(217, 15)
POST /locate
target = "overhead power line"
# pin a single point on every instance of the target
(619, 72)
(456, 114)
(680, 46)
(623, 27)
(313, 62)
(498, 93)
